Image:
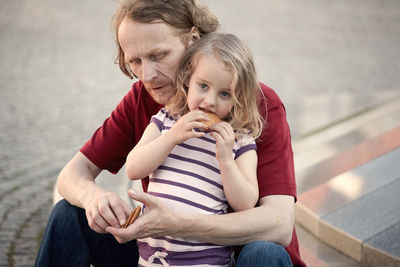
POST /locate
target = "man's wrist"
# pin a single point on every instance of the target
(184, 224)
(89, 193)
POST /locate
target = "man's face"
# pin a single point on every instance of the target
(153, 52)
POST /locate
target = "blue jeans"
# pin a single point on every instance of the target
(263, 253)
(68, 241)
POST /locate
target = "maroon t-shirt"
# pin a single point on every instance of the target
(112, 142)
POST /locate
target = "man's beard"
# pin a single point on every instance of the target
(161, 91)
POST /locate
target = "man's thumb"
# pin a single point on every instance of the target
(140, 196)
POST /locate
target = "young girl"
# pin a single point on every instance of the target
(196, 170)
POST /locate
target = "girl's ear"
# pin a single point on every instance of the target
(194, 35)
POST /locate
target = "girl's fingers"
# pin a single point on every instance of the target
(195, 115)
(198, 134)
(196, 124)
(224, 129)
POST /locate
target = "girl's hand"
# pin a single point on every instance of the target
(183, 129)
(225, 137)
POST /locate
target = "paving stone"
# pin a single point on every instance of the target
(4, 248)
(25, 245)
(30, 232)
(23, 261)
(6, 235)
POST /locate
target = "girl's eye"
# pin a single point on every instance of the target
(203, 86)
(225, 93)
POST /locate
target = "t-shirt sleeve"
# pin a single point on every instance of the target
(159, 118)
(275, 170)
(111, 143)
(244, 144)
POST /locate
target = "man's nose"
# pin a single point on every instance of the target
(149, 71)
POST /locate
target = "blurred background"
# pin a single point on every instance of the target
(327, 60)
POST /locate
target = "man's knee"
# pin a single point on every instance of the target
(264, 247)
(62, 243)
(63, 214)
(263, 253)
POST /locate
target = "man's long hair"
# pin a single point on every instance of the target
(182, 15)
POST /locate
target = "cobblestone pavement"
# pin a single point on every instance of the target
(326, 59)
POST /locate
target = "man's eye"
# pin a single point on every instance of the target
(136, 62)
(157, 57)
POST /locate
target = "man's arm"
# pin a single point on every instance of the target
(272, 221)
(76, 183)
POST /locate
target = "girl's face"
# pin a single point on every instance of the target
(210, 87)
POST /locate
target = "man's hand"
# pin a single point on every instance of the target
(272, 221)
(76, 183)
(105, 210)
(156, 221)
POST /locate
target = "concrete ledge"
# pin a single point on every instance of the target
(347, 181)
(375, 257)
(340, 240)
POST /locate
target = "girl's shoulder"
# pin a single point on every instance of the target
(243, 144)
(165, 118)
(243, 139)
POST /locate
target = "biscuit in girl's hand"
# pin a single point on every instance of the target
(212, 120)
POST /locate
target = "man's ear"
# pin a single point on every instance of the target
(194, 35)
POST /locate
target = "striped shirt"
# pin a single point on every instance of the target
(189, 181)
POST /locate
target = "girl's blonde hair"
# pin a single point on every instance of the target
(244, 116)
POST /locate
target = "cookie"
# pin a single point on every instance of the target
(132, 216)
(213, 119)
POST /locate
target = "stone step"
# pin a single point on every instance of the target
(349, 180)
(316, 253)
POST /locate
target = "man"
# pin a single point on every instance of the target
(152, 35)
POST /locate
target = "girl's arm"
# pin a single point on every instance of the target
(154, 147)
(239, 176)
(148, 154)
(240, 181)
